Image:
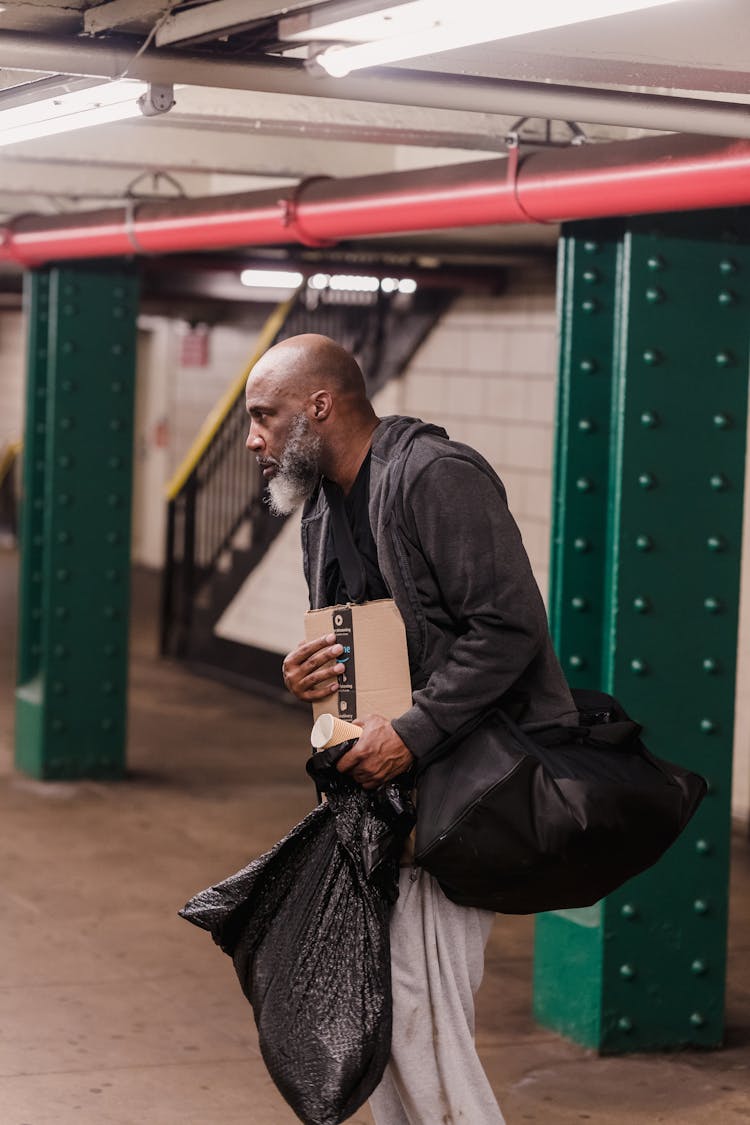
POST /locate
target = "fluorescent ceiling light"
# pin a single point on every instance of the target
(426, 27)
(271, 279)
(361, 283)
(97, 105)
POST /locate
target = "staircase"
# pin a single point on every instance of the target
(218, 524)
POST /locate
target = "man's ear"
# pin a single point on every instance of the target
(321, 404)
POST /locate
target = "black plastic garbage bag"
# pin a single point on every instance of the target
(307, 927)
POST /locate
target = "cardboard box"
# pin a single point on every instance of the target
(376, 680)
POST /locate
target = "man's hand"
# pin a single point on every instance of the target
(377, 755)
(310, 670)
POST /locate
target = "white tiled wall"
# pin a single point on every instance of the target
(12, 377)
(172, 401)
(193, 391)
(487, 374)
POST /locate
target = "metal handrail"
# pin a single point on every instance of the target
(8, 458)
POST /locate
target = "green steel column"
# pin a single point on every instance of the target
(588, 266)
(36, 300)
(644, 969)
(71, 695)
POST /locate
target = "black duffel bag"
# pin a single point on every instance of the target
(521, 823)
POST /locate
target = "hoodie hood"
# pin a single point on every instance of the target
(392, 446)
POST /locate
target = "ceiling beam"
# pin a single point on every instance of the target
(134, 14)
(387, 85)
(219, 18)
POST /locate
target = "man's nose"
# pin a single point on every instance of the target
(254, 441)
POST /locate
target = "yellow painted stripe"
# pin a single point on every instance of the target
(213, 420)
(8, 457)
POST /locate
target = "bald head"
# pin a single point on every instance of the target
(307, 363)
(308, 407)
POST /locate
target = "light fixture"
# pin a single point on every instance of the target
(360, 283)
(426, 27)
(271, 279)
(78, 109)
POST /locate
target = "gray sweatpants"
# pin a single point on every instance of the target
(434, 1076)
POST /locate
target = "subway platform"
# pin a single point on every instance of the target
(114, 1011)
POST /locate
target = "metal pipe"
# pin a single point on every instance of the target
(623, 178)
(394, 85)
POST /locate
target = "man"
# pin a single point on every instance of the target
(430, 520)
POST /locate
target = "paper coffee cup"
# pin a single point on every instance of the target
(331, 731)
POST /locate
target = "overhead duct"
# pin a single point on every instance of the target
(625, 178)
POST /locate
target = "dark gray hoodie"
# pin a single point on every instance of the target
(452, 558)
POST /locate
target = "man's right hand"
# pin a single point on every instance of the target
(310, 670)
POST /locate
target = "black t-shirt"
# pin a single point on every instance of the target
(356, 506)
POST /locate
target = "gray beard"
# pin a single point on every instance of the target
(299, 469)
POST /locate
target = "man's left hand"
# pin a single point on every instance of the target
(378, 754)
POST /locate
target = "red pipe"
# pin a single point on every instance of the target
(664, 173)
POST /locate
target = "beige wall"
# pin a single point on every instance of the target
(172, 401)
(12, 376)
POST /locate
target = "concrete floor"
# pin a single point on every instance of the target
(113, 1011)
